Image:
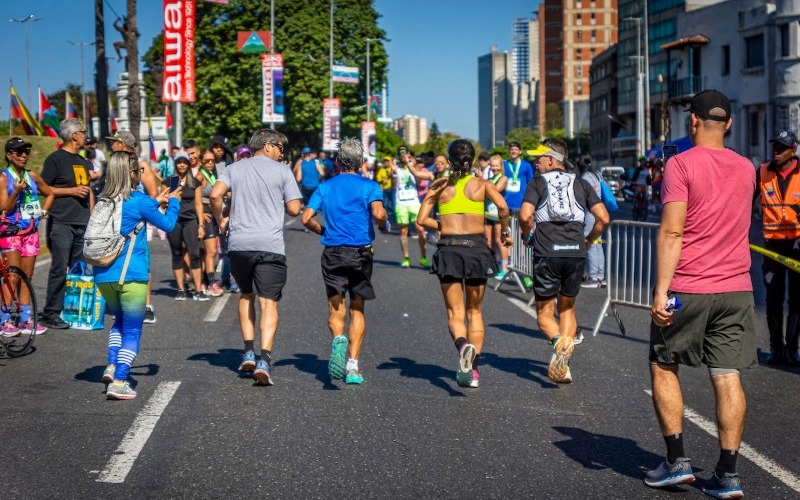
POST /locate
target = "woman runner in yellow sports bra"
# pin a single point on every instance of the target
(463, 260)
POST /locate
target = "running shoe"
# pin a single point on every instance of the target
(559, 363)
(263, 373)
(603, 283)
(667, 474)
(727, 486)
(149, 315)
(465, 358)
(108, 374)
(475, 378)
(567, 377)
(215, 290)
(590, 283)
(406, 263)
(353, 377)
(338, 361)
(578, 340)
(248, 362)
(27, 328)
(527, 282)
(424, 263)
(9, 329)
(120, 391)
(201, 296)
(500, 274)
(234, 288)
(181, 295)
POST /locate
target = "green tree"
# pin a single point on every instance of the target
(527, 138)
(388, 141)
(553, 118)
(229, 82)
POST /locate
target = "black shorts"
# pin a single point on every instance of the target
(211, 229)
(264, 271)
(557, 275)
(463, 257)
(307, 193)
(348, 269)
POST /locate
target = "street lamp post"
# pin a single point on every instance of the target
(640, 113)
(369, 96)
(25, 21)
(83, 88)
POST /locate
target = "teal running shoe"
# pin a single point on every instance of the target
(667, 474)
(725, 487)
(465, 358)
(353, 377)
(338, 361)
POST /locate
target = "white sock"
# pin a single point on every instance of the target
(352, 364)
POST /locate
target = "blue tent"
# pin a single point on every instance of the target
(683, 144)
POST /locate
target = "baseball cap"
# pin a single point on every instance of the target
(787, 138)
(306, 150)
(124, 137)
(16, 143)
(387, 158)
(181, 155)
(91, 141)
(543, 150)
(243, 150)
(702, 104)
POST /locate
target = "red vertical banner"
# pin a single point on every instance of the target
(272, 110)
(331, 125)
(179, 26)
(368, 141)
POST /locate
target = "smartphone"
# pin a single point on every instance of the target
(174, 182)
(668, 151)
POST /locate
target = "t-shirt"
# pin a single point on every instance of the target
(716, 185)
(344, 202)
(405, 194)
(384, 177)
(519, 175)
(558, 238)
(260, 188)
(424, 184)
(63, 169)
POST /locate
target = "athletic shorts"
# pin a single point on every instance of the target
(27, 245)
(718, 330)
(404, 216)
(307, 193)
(348, 269)
(463, 257)
(557, 275)
(211, 229)
(262, 272)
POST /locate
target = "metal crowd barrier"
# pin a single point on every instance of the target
(630, 267)
(520, 259)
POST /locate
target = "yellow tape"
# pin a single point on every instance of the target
(792, 264)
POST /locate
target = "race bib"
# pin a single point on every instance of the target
(407, 195)
(514, 186)
(491, 211)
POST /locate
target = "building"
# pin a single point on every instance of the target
(495, 98)
(603, 106)
(520, 54)
(412, 128)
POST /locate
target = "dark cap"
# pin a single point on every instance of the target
(702, 104)
(90, 141)
(125, 137)
(15, 144)
(484, 156)
(787, 138)
(514, 144)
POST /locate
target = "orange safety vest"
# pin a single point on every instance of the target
(780, 220)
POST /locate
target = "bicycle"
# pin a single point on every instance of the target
(640, 204)
(14, 285)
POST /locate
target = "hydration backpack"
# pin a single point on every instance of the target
(561, 206)
(102, 240)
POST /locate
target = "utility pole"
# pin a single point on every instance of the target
(640, 111)
(330, 57)
(83, 82)
(369, 96)
(101, 70)
(647, 129)
(24, 22)
(271, 37)
(132, 66)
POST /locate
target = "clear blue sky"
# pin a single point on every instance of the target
(433, 50)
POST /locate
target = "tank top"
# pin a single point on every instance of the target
(310, 174)
(187, 204)
(460, 204)
(27, 211)
(210, 180)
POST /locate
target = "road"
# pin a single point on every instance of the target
(199, 430)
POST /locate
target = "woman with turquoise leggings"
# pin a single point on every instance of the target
(125, 288)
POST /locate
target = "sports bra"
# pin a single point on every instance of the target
(460, 204)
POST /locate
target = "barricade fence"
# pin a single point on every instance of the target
(520, 259)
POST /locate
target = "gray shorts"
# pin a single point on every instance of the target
(718, 330)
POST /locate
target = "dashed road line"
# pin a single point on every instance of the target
(216, 309)
(122, 460)
(745, 450)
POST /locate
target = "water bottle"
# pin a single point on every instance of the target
(673, 303)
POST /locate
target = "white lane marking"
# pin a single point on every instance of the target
(745, 450)
(44, 262)
(216, 309)
(524, 306)
(289, 222)
(121, 462)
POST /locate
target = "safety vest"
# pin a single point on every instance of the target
(780, 220)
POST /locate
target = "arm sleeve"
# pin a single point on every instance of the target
(290, 189)
(531, 194)
(675, 186)
(165, 221)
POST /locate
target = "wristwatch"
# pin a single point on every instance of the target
(503, 234)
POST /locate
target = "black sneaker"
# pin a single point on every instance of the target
(181, 295)
(54, 322)
(149, 315)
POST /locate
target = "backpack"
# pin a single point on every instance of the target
(561, 205)
(103, 242)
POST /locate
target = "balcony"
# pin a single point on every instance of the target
(685, 88)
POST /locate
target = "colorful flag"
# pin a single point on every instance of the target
(112, 116)
(150, 139)
(170, 125)
(89, 124)
(47, 116)
(345, 74)
(70, 110)
(253, 42)
(26, 120)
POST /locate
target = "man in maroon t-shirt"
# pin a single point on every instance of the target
(709, 272)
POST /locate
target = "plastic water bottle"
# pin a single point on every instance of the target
(673, 303)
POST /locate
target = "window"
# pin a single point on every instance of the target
(578, 19)
(579, 35)
(579, 88)
(594, 37)
(579, 71)
(783, 31)
(726, 60)
(753, 128)
(578, 54)
(594, 18)
(754, 51)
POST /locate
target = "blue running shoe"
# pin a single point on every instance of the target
(338, 361)
(670, 474)
(727, 486)
(248, 362)
(263, 373)
(465, 358)
(353, 377)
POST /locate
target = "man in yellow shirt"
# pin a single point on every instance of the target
(384, 178)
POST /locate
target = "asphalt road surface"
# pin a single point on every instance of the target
(199, 430)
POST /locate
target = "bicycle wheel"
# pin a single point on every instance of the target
(17, 339)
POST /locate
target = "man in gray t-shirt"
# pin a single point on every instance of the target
(262, 192)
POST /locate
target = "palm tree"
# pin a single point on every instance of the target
(132, 62)
(101, 70)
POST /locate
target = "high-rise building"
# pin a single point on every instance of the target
(413, 129)
(520, 54)
(495, 98)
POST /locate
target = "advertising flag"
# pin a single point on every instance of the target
(253, 42)
(179, 25)
(331, 124)
(272, 110)
(47, 116)
(20, 113)
(170, 125)
(345, 74)
(70, 111)
(368, 141)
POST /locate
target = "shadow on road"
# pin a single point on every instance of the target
(224, 358)
(525, 368)
(312, 364)
(95, 373)
(518, 329)
(434, 374)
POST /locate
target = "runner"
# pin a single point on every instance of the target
(491, 216)
(208, 231)
(262, 192)
(308, 172)
(19, 203)
(519, 173)
(559, 202)
(384, 178)
(406, 208)
(346, 203)
(463, 260)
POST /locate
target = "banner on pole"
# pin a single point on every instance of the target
(253, 42)
(345, 74)
(331, 114)
(272, 110)
(179, 25)
(368, 141)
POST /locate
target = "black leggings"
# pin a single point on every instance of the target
(185, 232)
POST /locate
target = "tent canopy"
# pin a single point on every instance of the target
(683, 144)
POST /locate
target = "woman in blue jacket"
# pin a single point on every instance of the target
(127, 300)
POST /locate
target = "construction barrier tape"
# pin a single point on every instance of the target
(792, 264)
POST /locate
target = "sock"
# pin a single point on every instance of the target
(352, 364)
(727, 462)
(248, 345)
(25, 314)
(475, 361)
(503, 264)
(266, 355)
(674, 447)
(555, 340)
(460, 342)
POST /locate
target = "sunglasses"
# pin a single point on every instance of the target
(20, 152)
(209, 160)
(279, 146)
